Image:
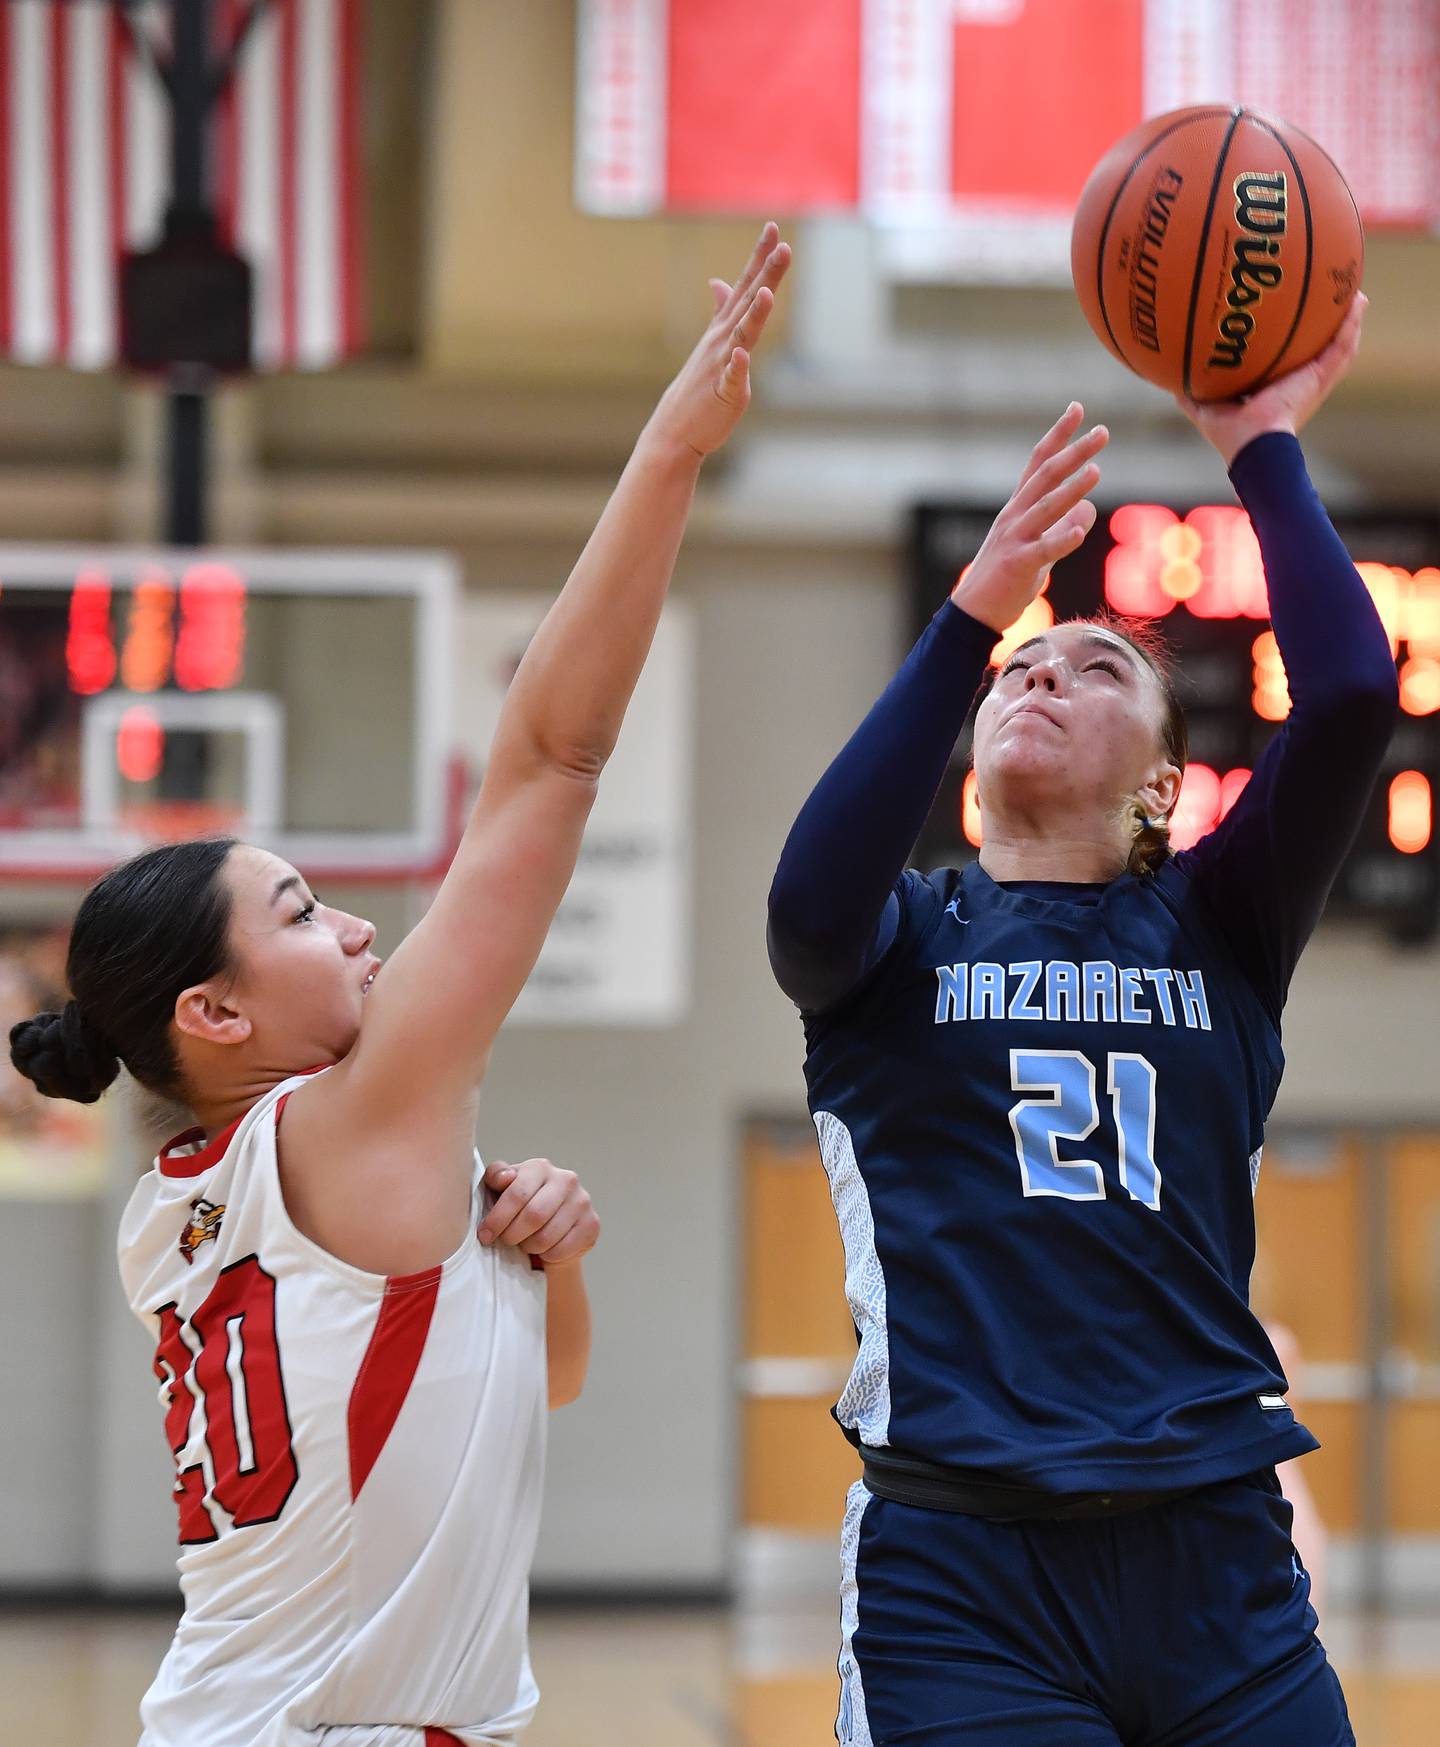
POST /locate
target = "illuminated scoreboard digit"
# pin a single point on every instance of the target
(189, 632)
(1196, 572)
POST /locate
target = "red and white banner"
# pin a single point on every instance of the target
(938, 113)
(84, 174)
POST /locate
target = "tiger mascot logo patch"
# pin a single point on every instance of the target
(203, 1227)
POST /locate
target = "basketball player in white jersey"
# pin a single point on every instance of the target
(352, 1317)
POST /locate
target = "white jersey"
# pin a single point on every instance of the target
(359, 1464)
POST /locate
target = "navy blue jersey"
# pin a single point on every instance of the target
(1042, 1114)
(1042, 1107)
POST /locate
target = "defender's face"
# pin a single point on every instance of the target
(303, 967)
(1074, 719)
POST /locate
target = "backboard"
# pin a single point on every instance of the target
(299, 699)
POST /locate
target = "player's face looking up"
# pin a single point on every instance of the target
(1074, 740)
(299, 972)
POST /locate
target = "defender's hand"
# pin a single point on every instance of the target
(539, 1209)
(1286, 404)
(706, 400)
(1045, 519)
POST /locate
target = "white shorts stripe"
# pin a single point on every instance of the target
(852, 1726)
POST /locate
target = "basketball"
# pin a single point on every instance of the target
(1214, 249)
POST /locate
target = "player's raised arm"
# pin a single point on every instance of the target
(1270, 864)
(438, 1004)
(833, 910)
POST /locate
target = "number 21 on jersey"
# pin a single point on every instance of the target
(1070, 1110)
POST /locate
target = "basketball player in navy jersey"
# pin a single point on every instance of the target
(1040, 1084)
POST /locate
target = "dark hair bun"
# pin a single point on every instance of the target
(64, 1054)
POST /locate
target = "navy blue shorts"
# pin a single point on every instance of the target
(1185, 1625)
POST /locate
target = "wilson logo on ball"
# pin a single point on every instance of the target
(1215, 248)
(1260, 212)
(1145, 267)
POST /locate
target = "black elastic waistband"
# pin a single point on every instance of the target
(930, 1486)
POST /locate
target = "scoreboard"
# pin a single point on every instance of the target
(298, 698)
(1195, 571)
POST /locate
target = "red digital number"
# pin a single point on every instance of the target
(1411, 811)
(1232, 573)
(1205, 798)
(1136, 563)
(205, 653)
(139, 745)
(1209, 562)
(210, 649)
(235, 1371)
(150, 639)
(89, 647)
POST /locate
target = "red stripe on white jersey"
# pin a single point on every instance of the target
(175, 1163)
(389, 1367)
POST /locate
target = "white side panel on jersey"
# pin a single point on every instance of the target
(864, 1404)
(1255, 1158)
(852, 1726)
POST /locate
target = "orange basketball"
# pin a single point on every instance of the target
(1214, 249)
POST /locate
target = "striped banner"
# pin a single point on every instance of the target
(84, 174)
(981, 119)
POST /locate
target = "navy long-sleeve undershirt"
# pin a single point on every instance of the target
(1265, 870)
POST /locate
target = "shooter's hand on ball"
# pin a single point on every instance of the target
(706, 400)
(540, 1209)
(1045, 519)
(1287, 403)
